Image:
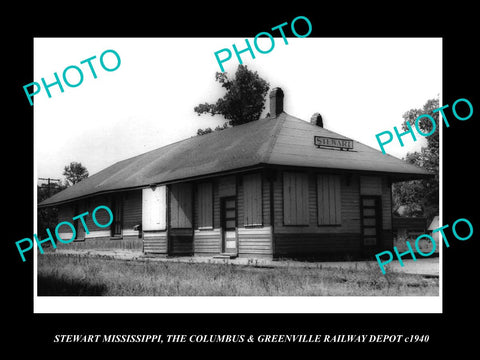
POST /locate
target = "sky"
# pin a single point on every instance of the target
(360, 86)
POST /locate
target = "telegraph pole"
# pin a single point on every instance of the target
(48, 183)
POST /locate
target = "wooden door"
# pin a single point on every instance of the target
(229, 225)
(116, 227)
(371, 221)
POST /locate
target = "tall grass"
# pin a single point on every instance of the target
(82, 275)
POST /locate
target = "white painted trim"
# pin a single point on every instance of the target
(154, 233)
(65, 235)
(99, 233)
(206, 232)
(129, 232)
(259, 230)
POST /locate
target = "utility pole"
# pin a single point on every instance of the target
(48, 183)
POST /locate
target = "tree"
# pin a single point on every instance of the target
(421, 197)
(74, 173)
(243, 102)
(209, 129)
(47, 218)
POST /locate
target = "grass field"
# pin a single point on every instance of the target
(60, 274)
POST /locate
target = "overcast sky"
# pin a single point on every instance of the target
(361, 86)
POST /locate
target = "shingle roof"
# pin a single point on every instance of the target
(282, 140)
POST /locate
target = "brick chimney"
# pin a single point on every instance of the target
(276, 102)
(317, 120)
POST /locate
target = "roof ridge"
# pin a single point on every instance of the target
(280, 120)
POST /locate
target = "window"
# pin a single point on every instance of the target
(181, 206)
(205, 205)
(252, 195)
(295, 198)
(329, 200)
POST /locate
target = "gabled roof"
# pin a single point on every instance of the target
(282, 140)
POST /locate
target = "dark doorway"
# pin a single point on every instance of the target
(371, 223)
(117, 211)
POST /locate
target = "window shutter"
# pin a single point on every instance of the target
(295, 199)
(154, 208)
(252, 195)
(205, 205)
(329, 200)
(181, 206)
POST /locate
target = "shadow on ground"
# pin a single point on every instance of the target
(53, 286)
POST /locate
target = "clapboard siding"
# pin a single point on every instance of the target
(255, 241)
(155, 242)
(65, 213)
(266, 202)
(101, 215)
(216, 205)
(317, 245)
(227, 186)
(349, 214)
(370, 185)
(207, 241)
(181, 241)
(81, 207)
(240, 203)
(68, 211)
(131, 214)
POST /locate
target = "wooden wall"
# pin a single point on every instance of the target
(252, 241)
(277, 239)
(132, 214)
(101, 215)
(180, 234)
(350, 208)
(317, 240)
(381, 186)
(376, 185)
(155, 242)
(255, 241)
(100, 238)
(207, 242)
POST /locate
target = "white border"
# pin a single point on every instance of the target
(242, 304)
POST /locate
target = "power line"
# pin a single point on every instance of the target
(48, 184)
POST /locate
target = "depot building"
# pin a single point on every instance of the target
(276, 187)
